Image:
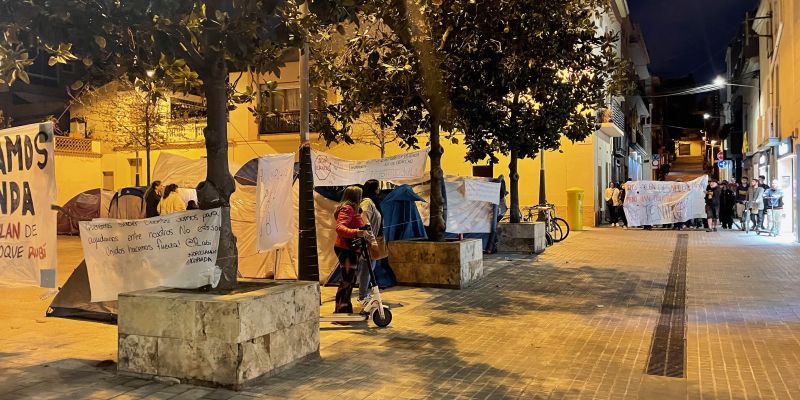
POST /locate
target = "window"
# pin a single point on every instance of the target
(108, 180)
(483, 171)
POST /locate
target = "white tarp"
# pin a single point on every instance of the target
(182, 171)
(478, 190)
(463, 215)
(274, 201)
(176, 250)
(657, 203)
(27, 191)
(333, 171)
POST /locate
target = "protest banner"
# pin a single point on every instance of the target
(478, 190)
(334, 171)
(658, 203)
(177, 250)
(274, 207)
(27, 192)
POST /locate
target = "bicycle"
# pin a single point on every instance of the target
(555, 227)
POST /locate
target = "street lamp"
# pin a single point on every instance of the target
(706, 116)
(720, 81)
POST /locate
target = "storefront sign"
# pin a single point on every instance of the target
(273, 200)
(177, 250)
(657, 203)
(27, 191)
(334, 171)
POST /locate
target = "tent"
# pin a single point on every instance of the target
(85, 206)
(472, 219)
(73, 300)
(128, 203)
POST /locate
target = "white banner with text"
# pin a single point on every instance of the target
(274, 209)
(658, 203)
(27, 192)
(334, 171)
(478, 190)
(177, 250)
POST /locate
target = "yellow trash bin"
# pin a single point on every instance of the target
(575, 208)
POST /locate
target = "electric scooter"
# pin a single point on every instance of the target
(380, 313)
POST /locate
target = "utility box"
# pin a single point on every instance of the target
(575, 208)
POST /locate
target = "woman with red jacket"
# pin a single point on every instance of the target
(348, 227)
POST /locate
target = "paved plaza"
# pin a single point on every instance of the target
(575, 322)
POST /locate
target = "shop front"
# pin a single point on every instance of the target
(786, 165)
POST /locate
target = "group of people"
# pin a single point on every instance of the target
(614, 197)
(358, 218)
(730, 200)
(161, 200)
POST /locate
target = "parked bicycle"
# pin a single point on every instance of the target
(556, 228)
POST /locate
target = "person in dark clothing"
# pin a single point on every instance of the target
(762, 183)
(713, 199)
(726, 205)
(151, 199)
(348, 228)
(191, 205)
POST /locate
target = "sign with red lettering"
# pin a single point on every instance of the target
(658, 203)
(27, 192)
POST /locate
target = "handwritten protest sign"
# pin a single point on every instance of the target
(27, 222)
(177, 250)
(334, 171)
(274, 215)
(478, 190)
(657, 203)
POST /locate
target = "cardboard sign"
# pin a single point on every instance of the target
(177, 250)
(27, 192)
(658, 203)
(334, 171)
(274, 209)
(478, 190)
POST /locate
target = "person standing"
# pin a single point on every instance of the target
(172, 201)
(727, 204)
(762, 181)
(623, 188)
(372, 215)
(755, 199)
(151, 199)
(609, 196)
(713, 199)
(774, 201)
(348, 228)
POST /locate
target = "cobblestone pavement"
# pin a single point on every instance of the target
(576, 322)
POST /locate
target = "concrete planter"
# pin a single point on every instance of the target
(528, 237)
(220, 340)
(451, 264)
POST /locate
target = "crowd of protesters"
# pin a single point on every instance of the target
(727, 205)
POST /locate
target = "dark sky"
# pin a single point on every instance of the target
(689, 36)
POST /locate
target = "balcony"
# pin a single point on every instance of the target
(612, 121)
(289, 122)
(66, 145)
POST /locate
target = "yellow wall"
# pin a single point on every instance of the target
(76, 174)
(787, 61)
(696, 149)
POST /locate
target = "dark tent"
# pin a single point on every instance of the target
(74, 300)
(85, 206)
(128, 203)
(248, 174)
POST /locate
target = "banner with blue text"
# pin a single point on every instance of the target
(27, 192)
(177, 250)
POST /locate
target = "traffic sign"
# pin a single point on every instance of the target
(720, 156)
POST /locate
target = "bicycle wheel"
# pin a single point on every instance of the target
(548, 239)
(563, 226)
(746, 222)
(555, 231)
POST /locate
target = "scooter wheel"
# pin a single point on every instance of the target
(382, 322)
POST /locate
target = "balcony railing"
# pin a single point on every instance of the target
(289, 122)
(612, 121)
(73, 145)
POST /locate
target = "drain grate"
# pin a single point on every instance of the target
(667, 355)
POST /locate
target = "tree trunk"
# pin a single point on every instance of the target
(437, 223)
(513, 177)
(307, 243)
(219, 184)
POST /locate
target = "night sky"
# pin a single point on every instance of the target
(689, 36)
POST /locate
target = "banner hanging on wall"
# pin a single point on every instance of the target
(334, 171)
(177, 250)
(274, 207)
(658, 203)
(27, 192)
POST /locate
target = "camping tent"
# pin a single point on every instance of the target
(84, 206)
(74, 300)
(128, 203)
